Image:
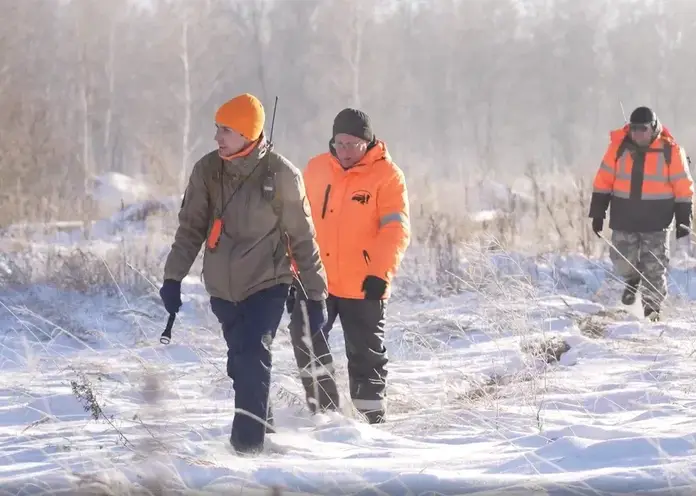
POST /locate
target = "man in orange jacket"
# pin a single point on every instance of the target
(360, 210)
(645, 177)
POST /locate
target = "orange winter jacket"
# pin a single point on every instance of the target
(361, 216)
(646, 187)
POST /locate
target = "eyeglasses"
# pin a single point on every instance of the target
(349, 146)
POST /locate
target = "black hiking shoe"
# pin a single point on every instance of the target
(629, 294)
(270, 422)
(651, 314)
(245, 449)
(375, 416)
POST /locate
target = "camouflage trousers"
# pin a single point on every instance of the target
(643, 257)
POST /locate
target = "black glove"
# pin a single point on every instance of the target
(599, 205)
(374, 288)
(290, 300)
(317, 314)
(682, 216)
(597, 225)
(170, 292)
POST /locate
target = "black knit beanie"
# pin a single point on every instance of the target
(643, 115)
(353, 122)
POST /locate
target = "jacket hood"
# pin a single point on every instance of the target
(376, 151)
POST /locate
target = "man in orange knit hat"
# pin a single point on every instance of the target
(360, 208)
(248, 205)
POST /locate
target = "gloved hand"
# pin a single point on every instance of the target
(170, 292)
(291, 299)
(317, 314)
(682, 217)
(374, 288)
(597, 225)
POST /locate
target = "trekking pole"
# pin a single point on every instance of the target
(166, 336)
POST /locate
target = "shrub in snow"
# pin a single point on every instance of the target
(548, 350)
(112, 191)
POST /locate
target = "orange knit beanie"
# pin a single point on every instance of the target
(243, 114)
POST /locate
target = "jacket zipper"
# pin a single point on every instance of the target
(326, 201)
(366, 256)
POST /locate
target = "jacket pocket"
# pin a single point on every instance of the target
(366, 256)
(215, 273)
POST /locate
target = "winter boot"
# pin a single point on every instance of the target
(375, 417)
(270, 424)
(651, 313)
(246, 451)
(629, 294)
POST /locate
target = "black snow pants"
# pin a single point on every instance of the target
(249, 328)
(363, 324)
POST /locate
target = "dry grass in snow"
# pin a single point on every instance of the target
(520, 373)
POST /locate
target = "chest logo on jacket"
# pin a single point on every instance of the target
(362, 197)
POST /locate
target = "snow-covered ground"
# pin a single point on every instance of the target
(478, 402)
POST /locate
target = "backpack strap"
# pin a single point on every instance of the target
(272, 194)
(269, 186)
(622, 148)
(667, 147)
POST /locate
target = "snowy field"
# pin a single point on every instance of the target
(530, 380)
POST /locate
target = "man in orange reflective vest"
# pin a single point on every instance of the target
(360, 210)
(645, 178)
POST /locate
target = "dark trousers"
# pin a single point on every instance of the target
(249, 328)
(363, 324)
